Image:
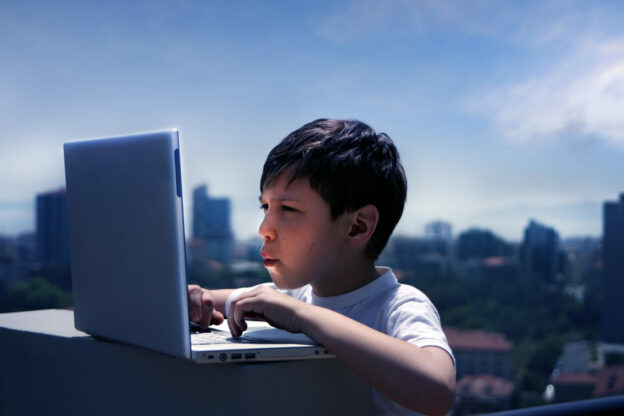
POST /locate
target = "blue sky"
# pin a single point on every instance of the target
(502, 110)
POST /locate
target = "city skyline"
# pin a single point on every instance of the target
(501, 112)
(434, 228)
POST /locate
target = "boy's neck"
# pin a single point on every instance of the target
(347, 279)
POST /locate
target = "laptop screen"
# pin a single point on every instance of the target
(127, 240)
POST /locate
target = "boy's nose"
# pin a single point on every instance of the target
(267, 231)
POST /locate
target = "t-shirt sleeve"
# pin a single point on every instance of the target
(416, 320)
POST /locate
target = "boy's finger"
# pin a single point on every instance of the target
(235, 328)
(236, 321)
(204, 322)
(232, 320)
(207, 308)
(195, 305)
(217, 318)
(240, 315)
(231, 323)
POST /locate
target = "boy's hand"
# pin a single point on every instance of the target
(202, 307)
(279, 310)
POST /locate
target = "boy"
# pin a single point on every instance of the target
(332, 192)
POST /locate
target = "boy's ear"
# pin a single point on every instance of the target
(363, 224)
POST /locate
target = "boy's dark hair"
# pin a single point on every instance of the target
(350, 166)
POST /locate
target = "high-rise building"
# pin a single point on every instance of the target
(613, 271)
(479, 244)
(438, 230)
(52, 239)
(212, 224)
(539, 252)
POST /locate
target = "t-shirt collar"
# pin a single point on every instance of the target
(386, 280)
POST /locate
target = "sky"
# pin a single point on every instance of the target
(502, 111)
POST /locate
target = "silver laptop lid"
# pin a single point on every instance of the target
(127, 240)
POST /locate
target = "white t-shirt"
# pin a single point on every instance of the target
(387, 306)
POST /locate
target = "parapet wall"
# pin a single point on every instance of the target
(48, 367)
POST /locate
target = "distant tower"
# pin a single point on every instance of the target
(52, 239)
(478, 243)
(439, 230)
(211, 223)
(539, 252)
(613, 271)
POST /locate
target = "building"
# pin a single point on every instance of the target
(10, 270)
(606, 381)
(483, 369)
(482, 394)
(480, 352)
(586, 370)
(17, 255)
(426, 257)
(613, 271)
(212, 224)
(580, 356)
(52, 234)
(539, 255)
(479, 244)
(439, 230)
(499, 268)
(581, 255)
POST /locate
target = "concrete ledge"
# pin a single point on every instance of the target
(48, 367)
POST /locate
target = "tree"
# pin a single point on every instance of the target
(36, 293)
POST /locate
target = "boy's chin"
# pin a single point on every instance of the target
(283, 284)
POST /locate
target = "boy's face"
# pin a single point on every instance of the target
(302, 245)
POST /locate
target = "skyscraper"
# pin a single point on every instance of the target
(613, 271)
(211, 223)
(438, 230)
(52, 229)
(539, 253)
(477, 243)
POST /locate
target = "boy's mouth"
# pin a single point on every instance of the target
(268, 261)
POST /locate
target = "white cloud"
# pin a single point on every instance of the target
(581, 98)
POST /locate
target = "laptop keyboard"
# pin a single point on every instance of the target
(208, 338)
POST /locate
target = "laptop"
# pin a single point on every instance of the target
(128, 256)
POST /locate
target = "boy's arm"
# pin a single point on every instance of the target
(207, 307)
(422, 379)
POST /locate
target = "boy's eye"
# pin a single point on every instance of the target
(287, 208)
